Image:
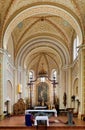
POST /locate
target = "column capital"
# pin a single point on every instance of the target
(81, 47)
(69, 66)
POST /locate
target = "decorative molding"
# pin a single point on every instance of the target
(5, 52)
(82, 46)
(65, 67)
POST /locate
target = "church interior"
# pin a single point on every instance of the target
(42, 57)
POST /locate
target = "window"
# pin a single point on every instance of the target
(42, 79)
(54, 74)
(30, 75)
(75, 49)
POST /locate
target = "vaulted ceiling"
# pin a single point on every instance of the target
(41, 31)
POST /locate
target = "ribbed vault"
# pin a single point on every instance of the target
(39, 10)
(43, 50)
(42, 32)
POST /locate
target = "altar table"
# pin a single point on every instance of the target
(42, 111)
(39, 118)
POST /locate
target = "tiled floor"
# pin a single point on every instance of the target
(58, 121)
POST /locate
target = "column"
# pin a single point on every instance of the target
(62, 86)
(30, 87)
(81, 90)
(68, 84)
(1, 86)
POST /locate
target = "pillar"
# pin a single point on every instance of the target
(68, 84)
(82, 79)
(1, 85)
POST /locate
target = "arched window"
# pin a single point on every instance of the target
(42, 79)
(75, 49)
(30, 75)
(54, 74)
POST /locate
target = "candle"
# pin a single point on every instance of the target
(19, 88)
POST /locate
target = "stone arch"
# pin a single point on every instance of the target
(51, 43)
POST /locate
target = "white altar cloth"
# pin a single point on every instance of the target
(48, 111)
(41, 118)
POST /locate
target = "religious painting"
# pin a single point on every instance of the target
(42, 92)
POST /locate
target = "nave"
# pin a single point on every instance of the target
(42, 60)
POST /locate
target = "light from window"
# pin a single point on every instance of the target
(54, 74)
(30, 75)
(75, 49)
(42, 79)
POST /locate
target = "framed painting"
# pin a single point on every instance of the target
(42, 92)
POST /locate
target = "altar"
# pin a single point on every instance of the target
(41, 118)
(42, 112)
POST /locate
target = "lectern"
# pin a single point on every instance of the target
(70, 116)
